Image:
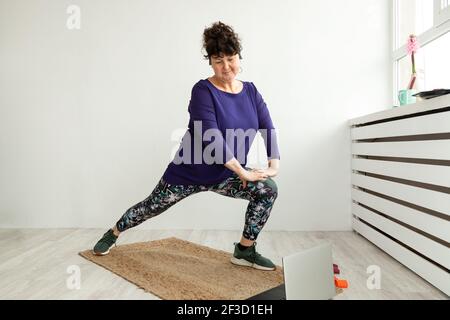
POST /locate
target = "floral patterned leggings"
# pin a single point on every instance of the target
(261, 194)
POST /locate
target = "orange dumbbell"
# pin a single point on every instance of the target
(340, 283)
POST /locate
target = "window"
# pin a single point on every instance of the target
(415, 17)
(441, 11)
(429, 20)
(434, 58)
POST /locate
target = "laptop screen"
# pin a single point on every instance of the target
(309, 274)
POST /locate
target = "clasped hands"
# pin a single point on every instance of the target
(257, 174)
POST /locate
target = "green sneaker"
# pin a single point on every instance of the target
(105, 243)
(250, 258)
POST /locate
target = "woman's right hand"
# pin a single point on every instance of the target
(246, 176)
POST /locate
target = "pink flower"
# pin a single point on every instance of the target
(412, 45)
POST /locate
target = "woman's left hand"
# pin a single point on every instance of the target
(270, 172)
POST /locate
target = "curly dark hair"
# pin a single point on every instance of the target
(221, 39)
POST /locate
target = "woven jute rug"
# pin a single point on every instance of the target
(175, 269)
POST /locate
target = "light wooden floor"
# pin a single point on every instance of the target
(34, 263)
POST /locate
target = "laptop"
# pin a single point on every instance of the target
(308, 275)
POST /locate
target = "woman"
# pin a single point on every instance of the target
(218, 105)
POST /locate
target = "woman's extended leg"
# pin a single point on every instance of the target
(162, 198)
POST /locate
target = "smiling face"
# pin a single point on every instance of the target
(225, 67)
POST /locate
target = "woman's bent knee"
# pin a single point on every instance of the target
(267, 189)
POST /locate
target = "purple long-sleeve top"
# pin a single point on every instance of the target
(215, 115)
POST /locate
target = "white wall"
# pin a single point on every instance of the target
(87, 115)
